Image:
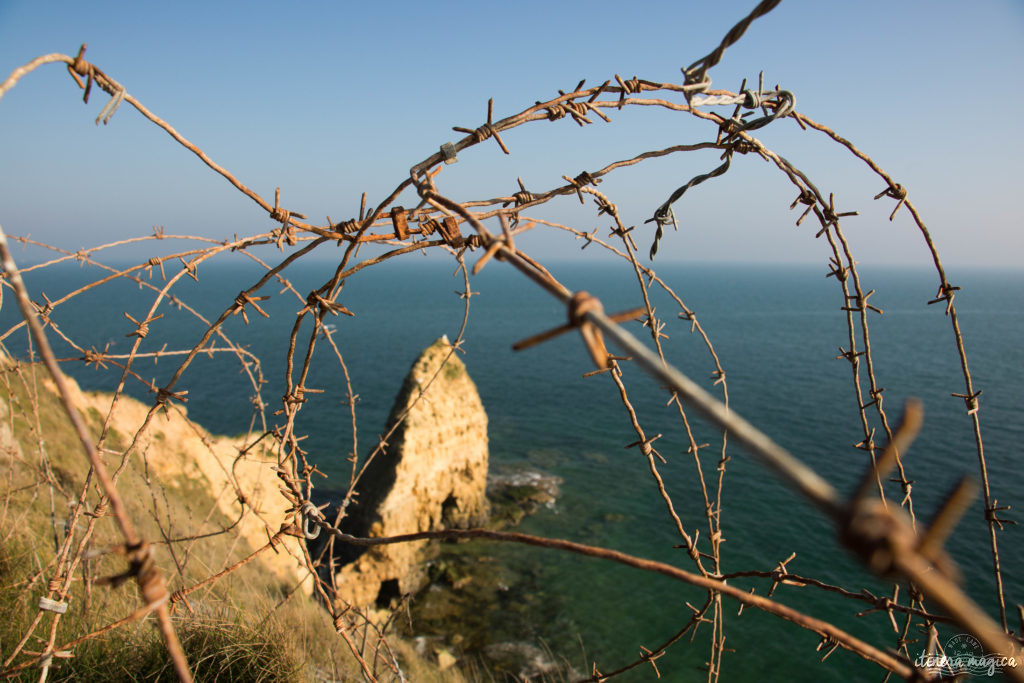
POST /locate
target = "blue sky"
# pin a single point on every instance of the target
(327, 100)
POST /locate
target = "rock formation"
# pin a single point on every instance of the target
(180, 451)
(432, 475)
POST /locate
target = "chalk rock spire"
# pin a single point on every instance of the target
(433, 475)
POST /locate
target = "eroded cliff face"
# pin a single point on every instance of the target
(185, 464)
(433, 475)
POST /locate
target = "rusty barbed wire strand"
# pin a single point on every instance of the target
(649, 656)
(848, 641)
(605, 206)
(946, 292)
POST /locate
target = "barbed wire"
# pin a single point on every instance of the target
(883, 532)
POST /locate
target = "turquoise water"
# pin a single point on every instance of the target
(777, 331)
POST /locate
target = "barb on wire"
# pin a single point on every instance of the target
(783, 102)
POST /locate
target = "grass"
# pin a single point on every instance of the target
(221, 643)
(216, 651)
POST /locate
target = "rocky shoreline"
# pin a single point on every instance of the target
(476, 608)
(477, 611)
(516, 493)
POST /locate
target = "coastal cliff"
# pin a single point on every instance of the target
(257, 622)
(432, 475)
(181, 455)
(176, 472)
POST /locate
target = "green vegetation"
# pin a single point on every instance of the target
(232, 635)
(453, 371)
(222, 648)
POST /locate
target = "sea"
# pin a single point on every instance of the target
(777, 330)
